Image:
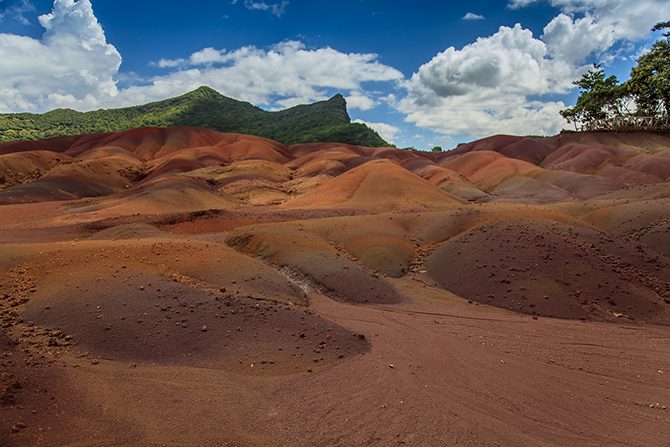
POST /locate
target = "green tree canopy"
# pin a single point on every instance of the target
(661, 26)
(603, 98)
(599, 97)
(650, 79)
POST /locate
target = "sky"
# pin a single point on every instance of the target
(421, 73)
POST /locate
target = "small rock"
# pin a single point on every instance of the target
(204, 329)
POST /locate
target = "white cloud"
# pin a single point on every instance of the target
(207, 56)
(276, 9)
(510, 61)
(584, 27)
(485, 87)
(287, 73)
(473, 16)
(594, 26)
(169, 63)
(386, 131)
(17, 11)
(360, 101)
(72, 65)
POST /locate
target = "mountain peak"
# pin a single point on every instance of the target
(204, 107)
(339, 100)
(203, 90)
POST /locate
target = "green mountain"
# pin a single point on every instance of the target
(204, 107)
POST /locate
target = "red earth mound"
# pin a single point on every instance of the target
(380, 186)
(556, 270)
(498, 168)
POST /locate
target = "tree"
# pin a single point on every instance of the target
(661, 26)
(600, 98)
(437, 149)
(650, 79)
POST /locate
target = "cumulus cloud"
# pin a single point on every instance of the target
(473, 16)
(594, 26)
(486, 86)
(386, 131)
(71, 66)
(585, 27)
(510, 61)
(286, 73)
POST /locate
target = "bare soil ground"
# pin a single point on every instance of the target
(232, 291)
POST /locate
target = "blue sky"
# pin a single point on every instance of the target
(419, 71)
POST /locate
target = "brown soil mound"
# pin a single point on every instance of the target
(313, 262)
(522, 189)
(553, 269)
(88, 178)
(488, 169)
(580, 186)
(24, 167)
(585, 158)
(380, 185)
(171, 324)
(658, 166)
(164, 195)
(494, 143)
